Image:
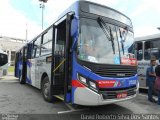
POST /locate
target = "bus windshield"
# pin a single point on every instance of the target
(94, 46)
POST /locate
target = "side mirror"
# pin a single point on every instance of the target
(74, 32)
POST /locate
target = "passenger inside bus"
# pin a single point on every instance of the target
(90, 52)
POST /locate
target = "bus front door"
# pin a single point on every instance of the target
(28, 63)
(16, 71)
(24, 66)
(60, 64)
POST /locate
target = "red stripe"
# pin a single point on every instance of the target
(77, 83)
(106, 83)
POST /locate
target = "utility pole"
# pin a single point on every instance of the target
(42, 6)
(26, 33)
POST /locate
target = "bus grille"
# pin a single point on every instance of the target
(111, 70)
(116, 71)
(112, 93)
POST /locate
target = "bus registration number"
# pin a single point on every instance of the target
(121, 95)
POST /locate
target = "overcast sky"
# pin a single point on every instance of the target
(17, 15)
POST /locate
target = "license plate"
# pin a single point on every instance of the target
(121, 95)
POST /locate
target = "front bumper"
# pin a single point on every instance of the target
(88, 97)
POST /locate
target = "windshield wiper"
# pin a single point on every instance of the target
(107, 31)
(122, 41)
(123, 38)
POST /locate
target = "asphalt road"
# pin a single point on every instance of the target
(25, 99)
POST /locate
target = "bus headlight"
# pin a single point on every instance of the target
(92, 84)
(82, 79)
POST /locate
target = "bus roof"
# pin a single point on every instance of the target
(75, 7)
(148, 37)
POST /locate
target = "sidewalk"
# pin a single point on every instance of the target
(10, 76)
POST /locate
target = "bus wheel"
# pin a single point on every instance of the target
(46, 90)
(21, 80)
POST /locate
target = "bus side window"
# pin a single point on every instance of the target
(33, 51)
(147, 50)
(155, 50)
(139, 51)
(29, 50)
(46, 47)
(36, 49)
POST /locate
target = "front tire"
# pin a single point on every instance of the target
(46, 92)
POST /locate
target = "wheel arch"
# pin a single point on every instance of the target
(42, 77)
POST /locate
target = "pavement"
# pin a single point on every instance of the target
(10, 76)
(16, 98)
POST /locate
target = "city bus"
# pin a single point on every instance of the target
(84, 58)
(145, 48)
(3, 63)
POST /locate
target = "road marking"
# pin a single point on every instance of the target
(71, 109)
(8, 81)
(69, 106)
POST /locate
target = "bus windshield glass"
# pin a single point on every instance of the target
(3, 59)
(126, 39)
(94, 46)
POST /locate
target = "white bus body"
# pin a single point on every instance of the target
(145, 48)
(3, 63)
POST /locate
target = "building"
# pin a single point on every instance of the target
(10, 45)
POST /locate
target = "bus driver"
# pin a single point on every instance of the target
(90, 52)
